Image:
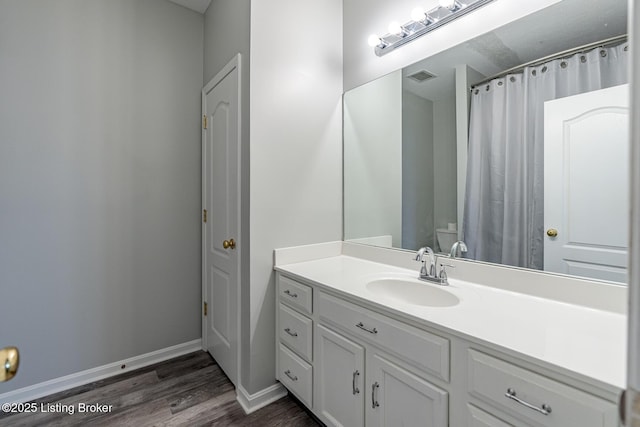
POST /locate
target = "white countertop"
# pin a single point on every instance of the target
(582, 340)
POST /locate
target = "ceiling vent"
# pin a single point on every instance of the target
(421, 76)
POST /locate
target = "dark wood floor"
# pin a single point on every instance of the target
(190, 390)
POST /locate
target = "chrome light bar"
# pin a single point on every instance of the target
(422, 23)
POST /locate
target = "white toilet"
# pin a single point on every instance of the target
(446, 238)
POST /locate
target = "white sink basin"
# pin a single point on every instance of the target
(412, 292)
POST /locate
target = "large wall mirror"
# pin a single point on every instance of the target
(515, 142)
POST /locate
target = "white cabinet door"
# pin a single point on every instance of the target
(397, 397)
(339, 380)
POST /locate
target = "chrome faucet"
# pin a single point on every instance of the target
(429, 273)
(459, 245)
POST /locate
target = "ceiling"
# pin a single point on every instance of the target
(199, 6)
(562, 26)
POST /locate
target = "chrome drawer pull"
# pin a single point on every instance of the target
(292, 295)
(353, 383)
(371, 331)
(544, 410)
(293, 334)
(293, 377)
(374, 390)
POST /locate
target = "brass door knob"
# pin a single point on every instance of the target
(10, 359)
(229, 244)
(552, 232)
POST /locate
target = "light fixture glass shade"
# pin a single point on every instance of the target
(449, 4)
(395, 28)
(418, 14)
(373, 40)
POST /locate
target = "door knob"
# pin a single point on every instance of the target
(229, 244)
(552, 232)
(10, 359)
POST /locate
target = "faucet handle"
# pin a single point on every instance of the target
(443, 271)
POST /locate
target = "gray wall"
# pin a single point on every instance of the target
(373, 153)
(444, 161)
(227, 26)
(99, 181)
(417, 172)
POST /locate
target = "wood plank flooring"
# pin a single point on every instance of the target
(190, 390)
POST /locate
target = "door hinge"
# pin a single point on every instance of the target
(204, 215)
(204, 121)
(205, 308)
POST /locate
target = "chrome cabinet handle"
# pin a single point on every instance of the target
(374, 392)
(622, 408)
(544, 409)
(364, 328)
(293, 377)
(353, 383)
(293, 334)
(292, 295)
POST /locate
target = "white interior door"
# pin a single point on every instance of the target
(221, 255)
(586, 184)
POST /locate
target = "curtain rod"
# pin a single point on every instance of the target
(565, 53)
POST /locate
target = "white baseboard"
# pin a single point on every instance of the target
(252, 402)
(56, 385)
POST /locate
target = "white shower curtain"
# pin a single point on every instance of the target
(503, 215)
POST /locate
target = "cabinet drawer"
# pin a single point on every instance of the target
(296, 331)
(479, 418)
(295, 294)
(295, 374)
(428, 352)
(500, 383)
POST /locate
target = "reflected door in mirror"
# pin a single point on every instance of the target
(587, 184)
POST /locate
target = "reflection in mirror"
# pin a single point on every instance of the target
(515, 142)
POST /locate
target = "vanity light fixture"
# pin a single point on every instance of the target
(421, 23)
(396, 29)
(374, 41)
(452, 5)
(418, 15)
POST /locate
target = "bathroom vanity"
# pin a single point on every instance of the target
(360, 341)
